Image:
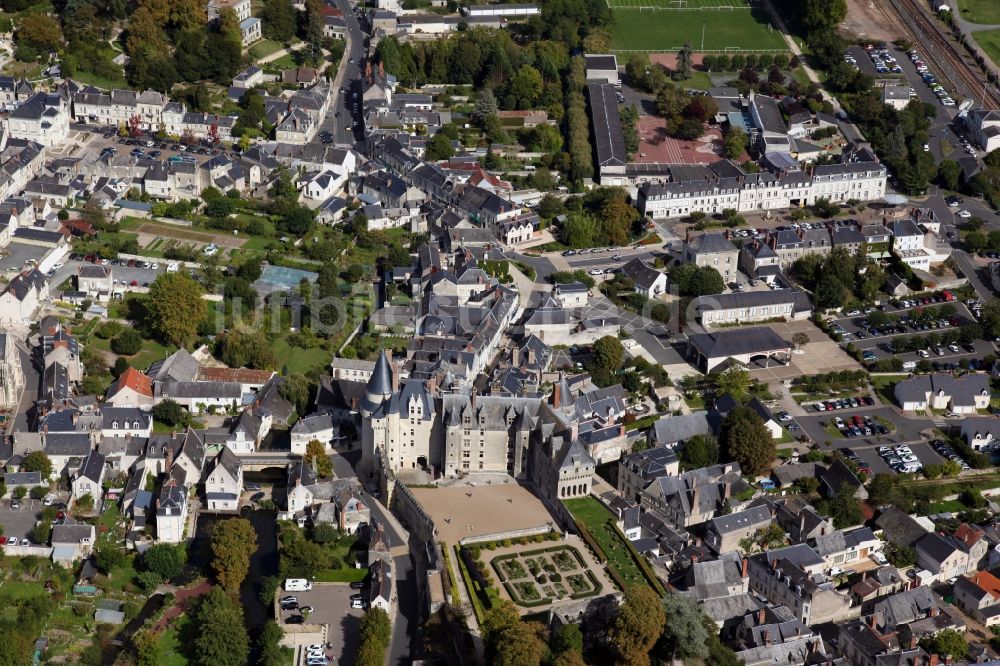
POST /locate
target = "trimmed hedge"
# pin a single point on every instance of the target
(589, 539)
(543, 601)
(456, 598)
(477, 606)
(597, 587)
(643, 563)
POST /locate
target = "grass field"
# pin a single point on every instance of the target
(592, 513)
(668, 30)
(989, 40)
(980, 11)
(263, 48)
(680, 5)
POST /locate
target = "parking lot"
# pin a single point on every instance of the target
(17, 256)
(821, 426)
(100, 137)
(331, 606)
(125, 275)
(877, 457)
(874, 330)
(18, 522)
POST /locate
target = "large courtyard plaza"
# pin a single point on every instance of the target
(463, 511)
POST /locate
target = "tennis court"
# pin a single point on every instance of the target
(711, 30)
(281, 278)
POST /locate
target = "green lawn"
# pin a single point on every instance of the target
(669, 30)
(264, 48)
(951, 506)
(297, 359)
(592, 513)
(884, 386)
(702, 80)
(284, 62)
(168, 647)
(151, 351)
(99, 81)
(799, 74)
(989, 40)
(980, 11)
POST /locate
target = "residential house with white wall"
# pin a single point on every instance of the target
(224, 483)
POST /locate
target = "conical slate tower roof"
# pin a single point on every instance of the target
(381, 379)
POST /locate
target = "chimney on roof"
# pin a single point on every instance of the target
(933, 659)
(745, 568)
(727, 490)
(767, 637)
(761, 614)
(872, 621)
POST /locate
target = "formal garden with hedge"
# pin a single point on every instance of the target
(539, 577)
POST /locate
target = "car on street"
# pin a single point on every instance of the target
(357, 585)
(257, 497)
(964, 213)
(295, 619)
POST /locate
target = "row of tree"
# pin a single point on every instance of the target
(578, 123)
(644, 628)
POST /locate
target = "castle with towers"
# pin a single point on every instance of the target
(413, 424)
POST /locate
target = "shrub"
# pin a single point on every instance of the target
(108, 329)
(127, 343)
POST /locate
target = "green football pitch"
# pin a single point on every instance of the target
(667, 29)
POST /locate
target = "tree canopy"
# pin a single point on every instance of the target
(175, 307)
(637, 625)
(747, 441)
(221, 639)
(685, 635)
(166, 560)
(37, 461)
(234, 541)
(700, 451)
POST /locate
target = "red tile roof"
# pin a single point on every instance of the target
(987, 582)
(969, 534)
(134, 380)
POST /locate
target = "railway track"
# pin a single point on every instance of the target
(948, 58)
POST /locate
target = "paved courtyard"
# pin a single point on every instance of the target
(656, 147)
(464, 511)
(821, 354)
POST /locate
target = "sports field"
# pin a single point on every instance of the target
(667, 29)
(989, 41)
(980, 11)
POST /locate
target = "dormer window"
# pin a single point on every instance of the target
(114, 425)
